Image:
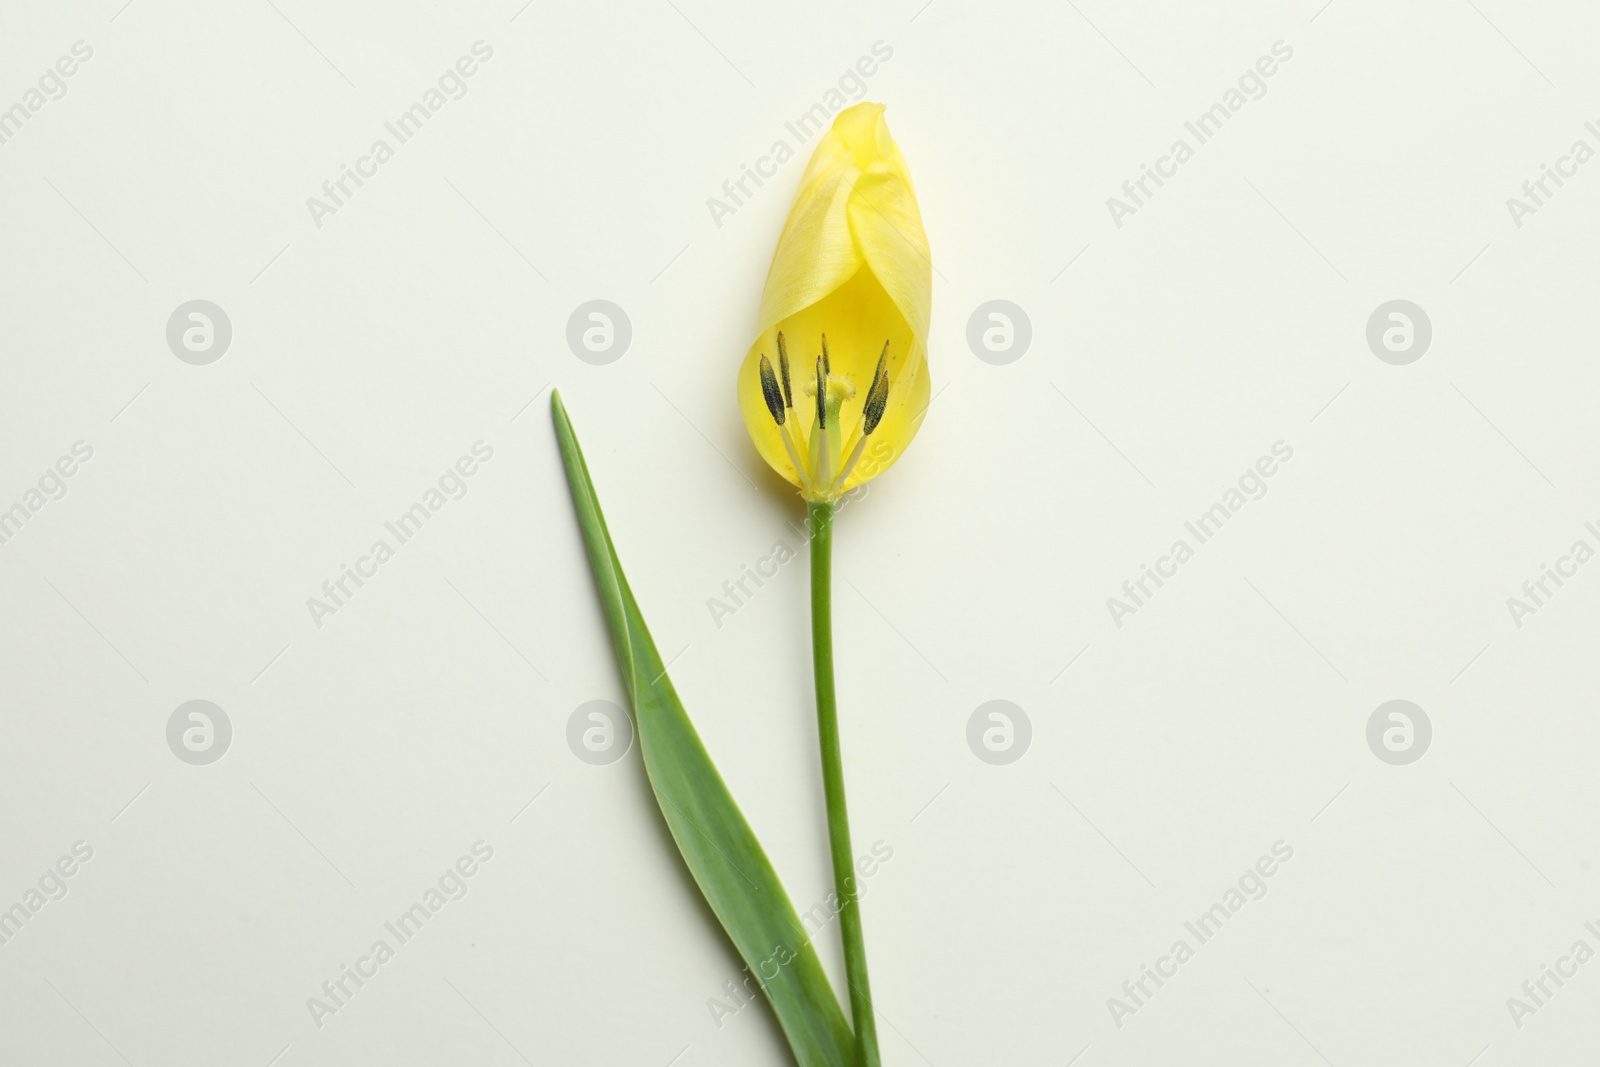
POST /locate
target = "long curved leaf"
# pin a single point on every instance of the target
(717, 843)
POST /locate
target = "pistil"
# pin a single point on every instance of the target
(816, 454)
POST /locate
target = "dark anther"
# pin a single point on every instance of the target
(877, 396)
(822, 394)
(769, 390)
(783, 371)
(882, 368)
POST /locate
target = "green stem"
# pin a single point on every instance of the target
(820, 516)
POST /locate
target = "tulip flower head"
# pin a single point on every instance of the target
(835, 384)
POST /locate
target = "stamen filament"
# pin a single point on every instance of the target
(872, 408)
(825, 450)
(855, 457)
(824, 461)
(794, 457)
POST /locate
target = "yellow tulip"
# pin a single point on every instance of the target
(835, 384)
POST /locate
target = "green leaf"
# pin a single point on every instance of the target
(717, 843)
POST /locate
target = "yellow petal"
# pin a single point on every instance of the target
(852, 264)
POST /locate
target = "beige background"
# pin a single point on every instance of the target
(430, 312)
